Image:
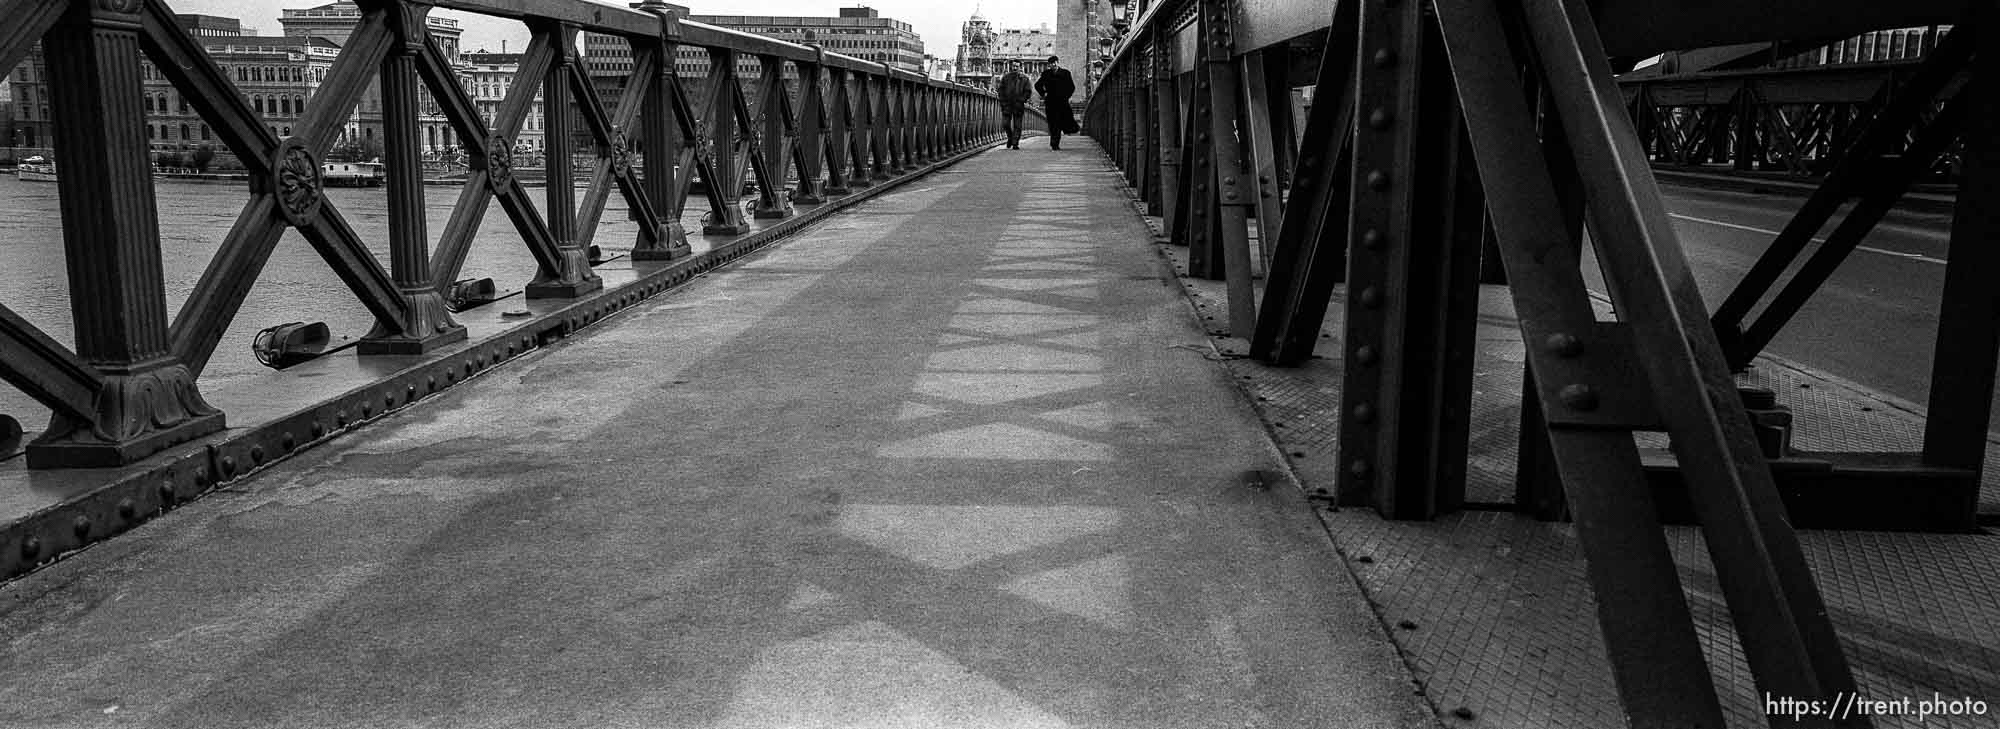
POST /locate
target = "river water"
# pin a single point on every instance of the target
(295, 284)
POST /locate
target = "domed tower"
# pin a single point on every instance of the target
(975, 52)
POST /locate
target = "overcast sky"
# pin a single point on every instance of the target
(938, 21)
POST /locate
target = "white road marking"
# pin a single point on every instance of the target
(1870, 249)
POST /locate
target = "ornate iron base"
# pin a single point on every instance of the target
(576, 280)
(431, 327)
(675, 247)
(139, 413)
(725, 229)
(782, 210)
(811, 193)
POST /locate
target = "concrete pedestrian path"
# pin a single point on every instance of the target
(952, 459)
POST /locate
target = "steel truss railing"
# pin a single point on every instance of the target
(1448, 134)
(129, 388)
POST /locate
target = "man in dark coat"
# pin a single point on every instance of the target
(1056, 86)
(1014, 91)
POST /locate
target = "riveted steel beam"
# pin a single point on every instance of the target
(1656, 660)
(1968, 339)
(1788, 639)
(1384, 187)
(1310, 254)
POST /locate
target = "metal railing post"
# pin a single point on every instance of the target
(427, 324)
(574, 277)
(146, 398)
(663, 143)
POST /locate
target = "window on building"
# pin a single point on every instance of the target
(205, 133)
(184, 132)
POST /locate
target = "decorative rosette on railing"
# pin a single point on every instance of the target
(621, 152)
(499, 161)
(295, 176)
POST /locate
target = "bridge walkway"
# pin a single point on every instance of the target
(954, 458)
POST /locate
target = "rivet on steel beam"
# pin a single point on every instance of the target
(1564, 345)
(31, 547)
(1385, 58)
(257, 454)
(127, 509)
(1371, 297)
(1378, 180)
(166, 493)
(1579, 397)
(288, 442)
(1231, 195)
(1365, 354)
(431, 383)
(367, 410)
(80, 527)
(319, 430)
(1380, 119)
(1363, 413)
(1360, 468)
(410, 392)
(1373, 239)
(228, 466)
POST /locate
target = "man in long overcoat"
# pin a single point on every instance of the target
(1056, 86)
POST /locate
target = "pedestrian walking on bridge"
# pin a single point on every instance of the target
(1056, 86)
(1014, 91)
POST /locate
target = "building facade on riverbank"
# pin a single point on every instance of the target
(492, 77)
(336, 23)
(860, 32)
(278, 76)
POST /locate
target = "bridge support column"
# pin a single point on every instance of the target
(427, 324)
(146, 398)
(1412, 292)
(660, 132)
(812, 132)
(574, 277)
(839, 139)
(775, 140)
(1968, 338)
